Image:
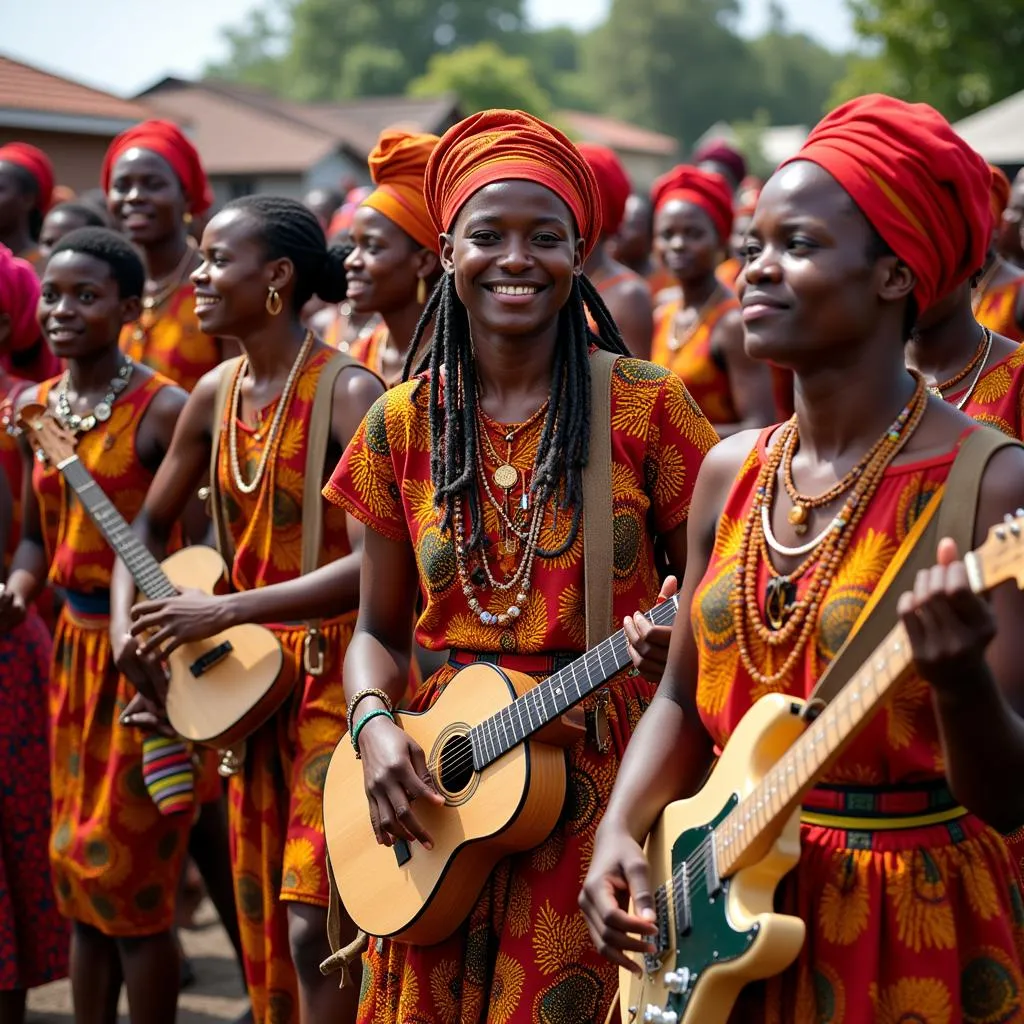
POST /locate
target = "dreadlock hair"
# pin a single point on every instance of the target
(291, 231)
(114, 250)
(565, 437)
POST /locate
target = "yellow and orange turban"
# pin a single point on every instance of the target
(998, 193)
(925, 191)
(510, 145)
(397, 165)
(706, 189)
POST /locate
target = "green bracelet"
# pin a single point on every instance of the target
(362, 721)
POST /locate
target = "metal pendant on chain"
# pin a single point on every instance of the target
(780, 601)
(102, 410)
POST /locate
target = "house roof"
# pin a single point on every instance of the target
(617, 135)
(997, 132)
(241, 130)
(32, 98)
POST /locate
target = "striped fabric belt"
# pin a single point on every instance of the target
(534, 664)
(881, 808)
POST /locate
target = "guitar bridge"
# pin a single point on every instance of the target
(206, 661)
(652, 961)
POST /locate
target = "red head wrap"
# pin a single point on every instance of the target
(998, 193)
(37, 163)
(19, 297)
(706, 189)
(613, 185)
(921, 186)
(509, 145)
(397, 164)
(168, 141)
(720, 152)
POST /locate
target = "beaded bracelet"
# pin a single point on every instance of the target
(362, 721)
(370, 692)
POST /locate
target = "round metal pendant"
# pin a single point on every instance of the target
(102, 411)
(88, 422)
(505, 476)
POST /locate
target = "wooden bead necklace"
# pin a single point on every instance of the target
(978, 357)
(793, 619)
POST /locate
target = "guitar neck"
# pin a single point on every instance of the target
(145, 569)
(551, 698)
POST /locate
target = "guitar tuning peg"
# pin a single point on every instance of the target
(1007, 518)
(1019, 513)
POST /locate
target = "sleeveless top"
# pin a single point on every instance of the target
(998, 398)
(79, 556)
(901, 742)
(266, 526)
(171, 341)
(695, 362)
(997, 309)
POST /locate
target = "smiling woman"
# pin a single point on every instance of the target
(468, 479)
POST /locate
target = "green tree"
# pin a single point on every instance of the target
(483, 76)
(958, 55)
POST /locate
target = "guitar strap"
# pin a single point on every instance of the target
(950, 513)
(222, 537)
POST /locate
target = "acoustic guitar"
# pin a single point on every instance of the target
(504, 789)
(219, 689)
(716, 859)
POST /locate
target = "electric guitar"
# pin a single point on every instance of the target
(489, 742)
(717, 858)
(219, 689)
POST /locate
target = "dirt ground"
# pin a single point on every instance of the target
(217, 994)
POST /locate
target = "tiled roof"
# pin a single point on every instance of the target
(26, 88)
(619, 135)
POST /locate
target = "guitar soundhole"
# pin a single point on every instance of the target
(456, 770)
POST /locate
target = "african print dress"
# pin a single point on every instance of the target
(278, 849)
(524, 955)
(170, 340)
(116, 859)
(695, 361)
(997, 309)
(33, 935)
(912, 908)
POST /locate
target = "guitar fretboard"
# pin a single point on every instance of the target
(145, 569)
(555, 695)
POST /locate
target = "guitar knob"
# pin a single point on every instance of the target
(656, 1015)
(678, 982)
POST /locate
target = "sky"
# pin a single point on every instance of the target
(125, 45)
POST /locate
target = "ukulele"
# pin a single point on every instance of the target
(219, 689)
(503, 785)
(717, 858)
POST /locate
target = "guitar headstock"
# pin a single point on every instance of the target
(51, 441)
(1001, 556)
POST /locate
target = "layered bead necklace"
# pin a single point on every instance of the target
(102, 410)
(978, 362)
(788, 617)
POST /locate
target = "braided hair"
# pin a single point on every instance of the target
(565, 437)
(290, 230)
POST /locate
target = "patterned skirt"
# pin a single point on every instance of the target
(116, 859)
(276, 820)
(33, 935)
(524, 955)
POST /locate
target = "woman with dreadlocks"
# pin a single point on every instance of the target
(503, 391)
(264, 257)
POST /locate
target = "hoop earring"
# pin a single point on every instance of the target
(274, 302)
(421, 292)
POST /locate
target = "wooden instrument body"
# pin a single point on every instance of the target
(736, 935)
(421, 896)
(218, 694)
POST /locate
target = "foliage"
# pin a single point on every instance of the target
(483, 76)
(958, 55)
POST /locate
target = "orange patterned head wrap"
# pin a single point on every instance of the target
(612, 184)
(925, 191)
(509, 145)
(706, 189)
(998, 193)
(35, 162)
(168, 141)
(397, 165)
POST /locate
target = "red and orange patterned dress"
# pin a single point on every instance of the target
(524, 955)
(368, 347)
(33, 935)
(116, 859)
(997, 309)
(278, 848)
(170, 340)
(695, 361)
(916, 923)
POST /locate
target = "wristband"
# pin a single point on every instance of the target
(371, 692)
(362, 722)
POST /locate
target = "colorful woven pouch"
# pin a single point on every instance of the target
(168, 774)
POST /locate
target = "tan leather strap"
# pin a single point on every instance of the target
(597, 501)
(955, 517)
(341, 956)
(228, 369)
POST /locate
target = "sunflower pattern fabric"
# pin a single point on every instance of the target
(524, 954)
(998, 307)
(922, 924)
(116, 859)
(171, 341)
(998, 398)
(278, 850)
